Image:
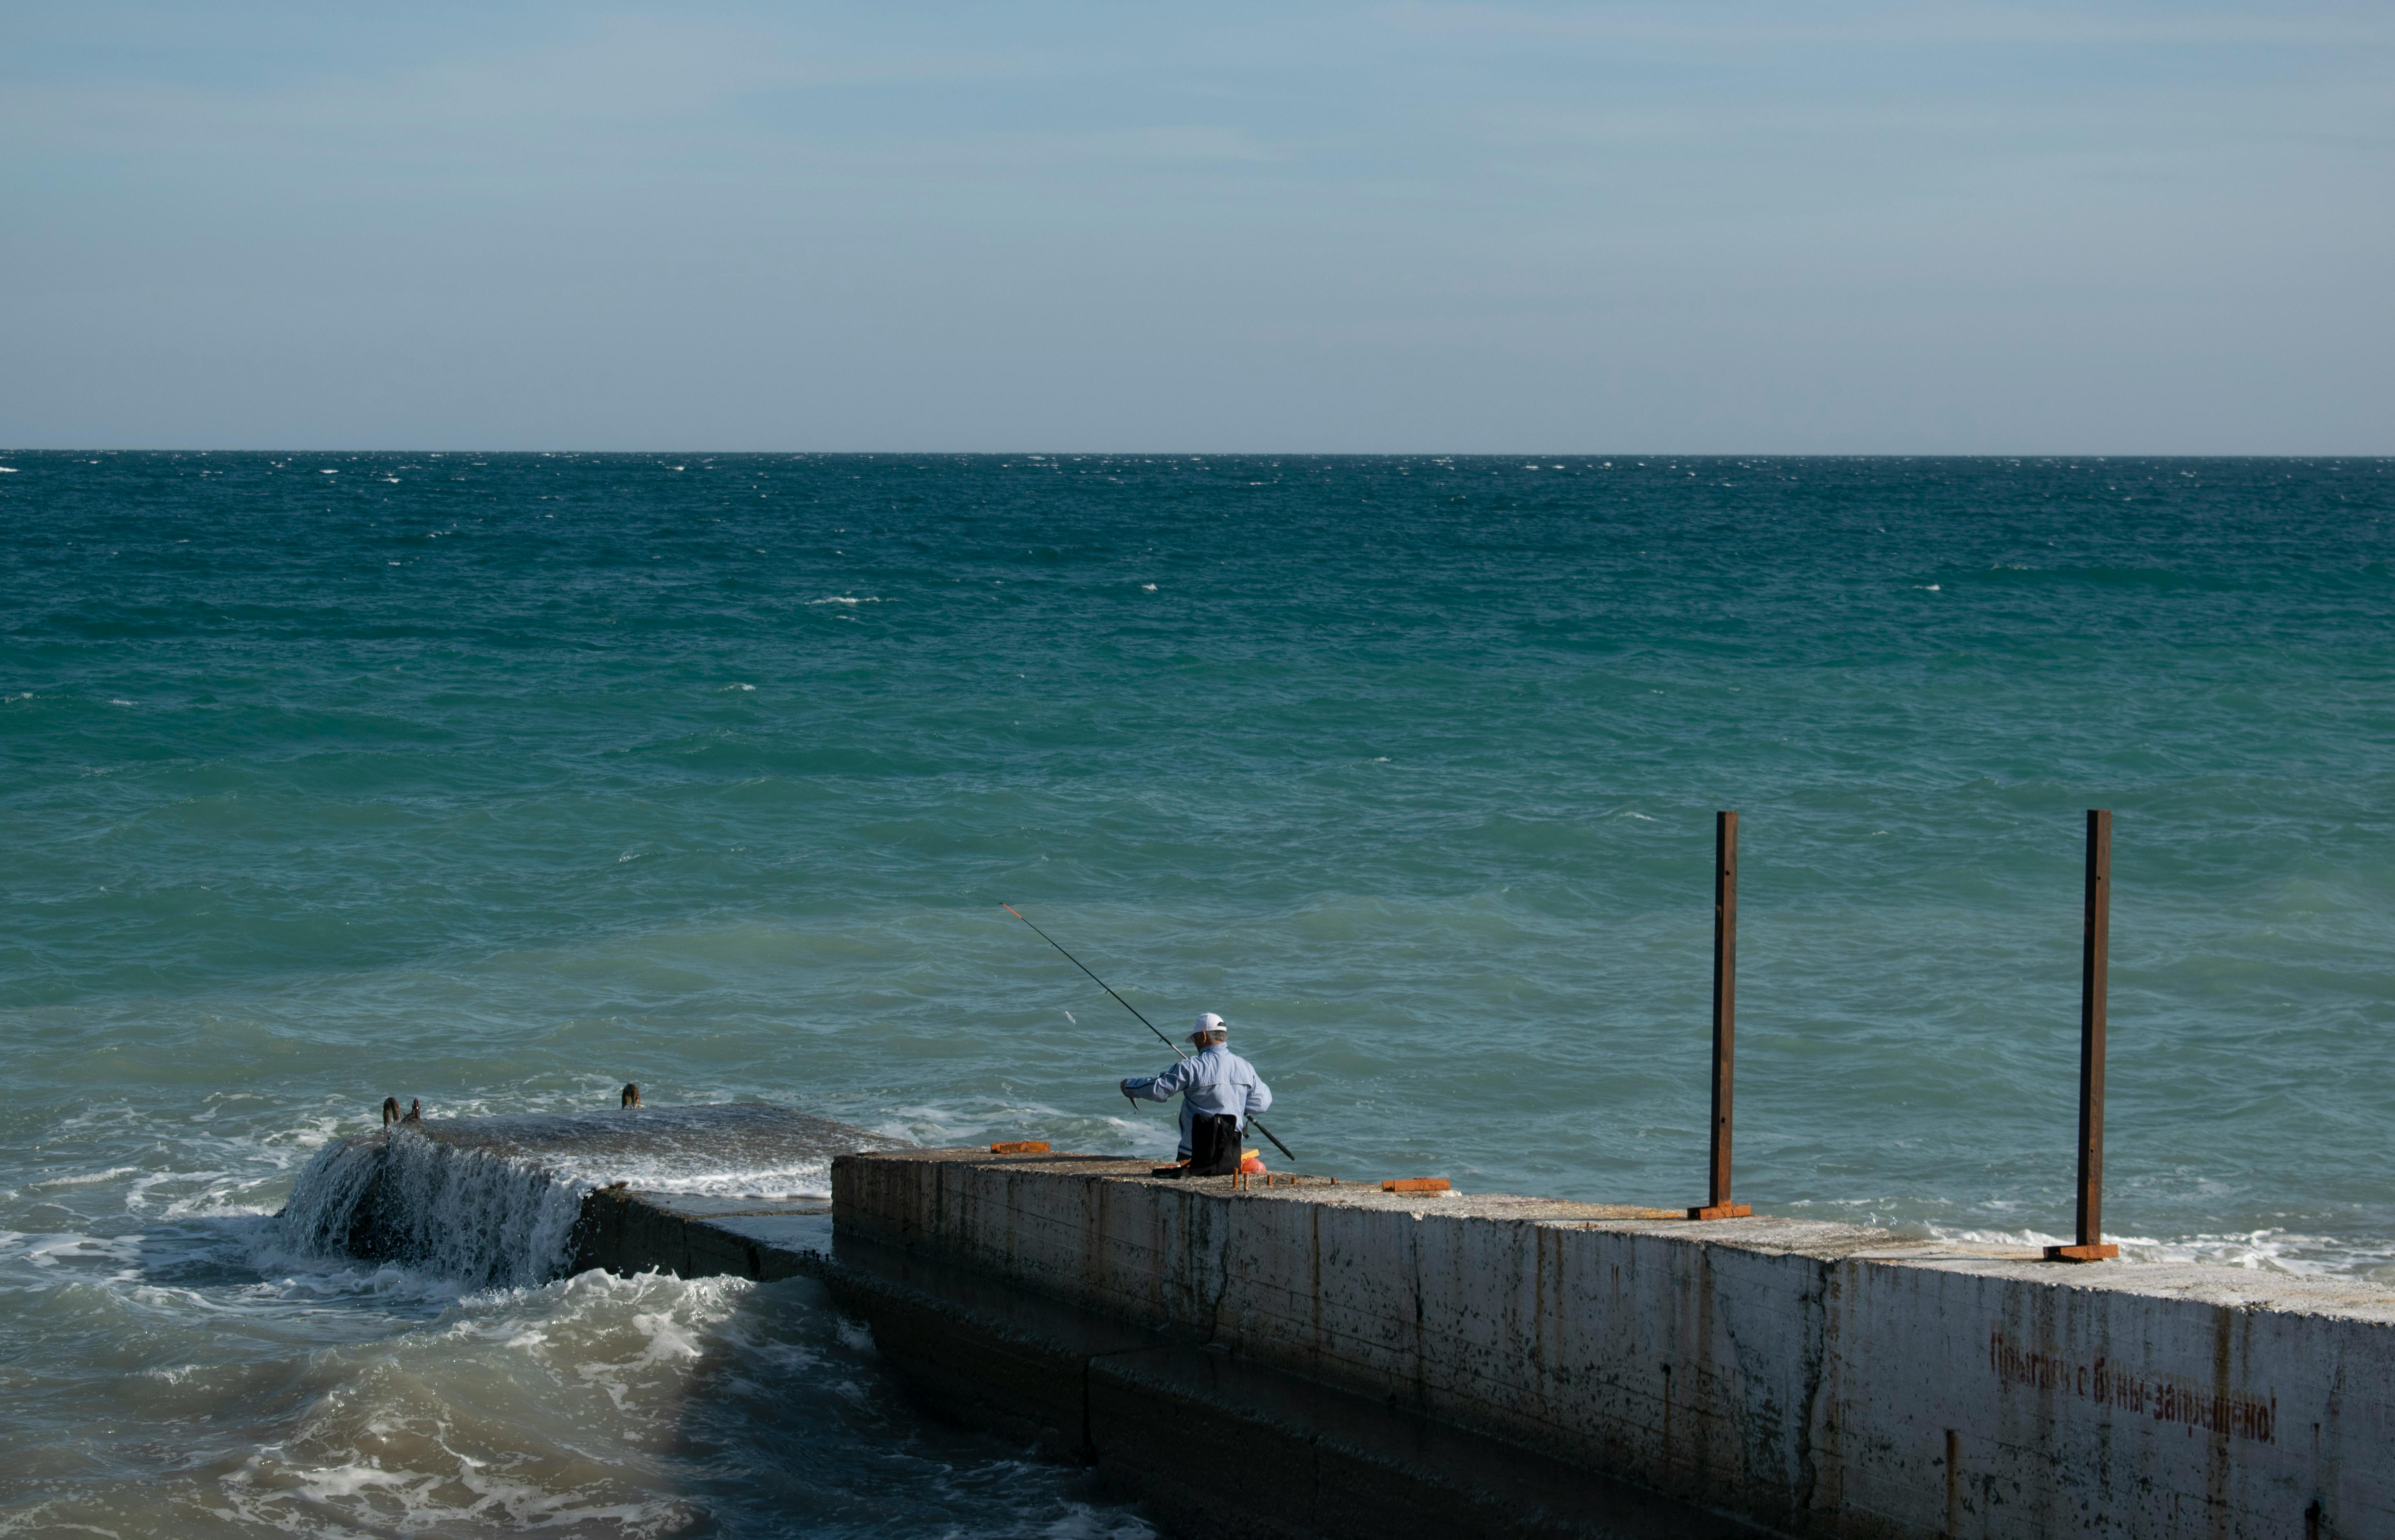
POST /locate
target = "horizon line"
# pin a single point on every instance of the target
(1252, 453)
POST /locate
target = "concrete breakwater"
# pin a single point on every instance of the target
(1319, 1359)
(1813, 1378)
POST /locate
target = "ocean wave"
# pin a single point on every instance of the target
(58, 1249)
(86, 1179)
(485, 1217)
(2273, 1250)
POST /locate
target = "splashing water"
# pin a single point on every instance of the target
(492, 1201)
(451, 1382)
(489, 1220)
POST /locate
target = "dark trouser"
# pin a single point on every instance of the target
(1214, 1144)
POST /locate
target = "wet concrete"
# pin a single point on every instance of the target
(628, 1231)
(724, 1137)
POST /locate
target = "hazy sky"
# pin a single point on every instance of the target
(1686, 226)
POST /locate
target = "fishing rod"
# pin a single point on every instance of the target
(1131, 1008)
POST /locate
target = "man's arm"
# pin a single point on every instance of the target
(1163, 1087)
(1259, 1097)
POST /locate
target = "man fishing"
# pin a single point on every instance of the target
(1219, 1092)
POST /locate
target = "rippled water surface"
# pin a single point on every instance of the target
(498, 780)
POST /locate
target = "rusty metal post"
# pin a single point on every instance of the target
(2095, 957)
(1718, 1206)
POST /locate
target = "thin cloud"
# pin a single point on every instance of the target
(1896, 26)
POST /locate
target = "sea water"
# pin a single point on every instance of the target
(497, 781)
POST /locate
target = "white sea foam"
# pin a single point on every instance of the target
(463, 1490)
(2270, 1251)
(845, 599)
(2278, 1251)
(84, 1178)
(67, 1248)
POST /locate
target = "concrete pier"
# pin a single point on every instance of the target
(1810, 1378)
(1213, 1441)
(1329, 1360)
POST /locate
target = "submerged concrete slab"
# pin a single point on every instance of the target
(1817, 1379)
(627, 1231)
(517, 1199)
(753, 1147)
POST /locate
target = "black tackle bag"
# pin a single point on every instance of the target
(1214, 1145)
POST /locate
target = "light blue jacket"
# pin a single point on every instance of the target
(1212, 1079)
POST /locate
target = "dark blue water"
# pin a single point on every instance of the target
(497, 780)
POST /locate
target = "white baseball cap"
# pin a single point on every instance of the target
(1208, 1022)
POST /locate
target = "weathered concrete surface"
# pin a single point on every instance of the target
(1216, 1444)
(1817, 1379)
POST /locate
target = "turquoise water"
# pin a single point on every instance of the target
(498, 780)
